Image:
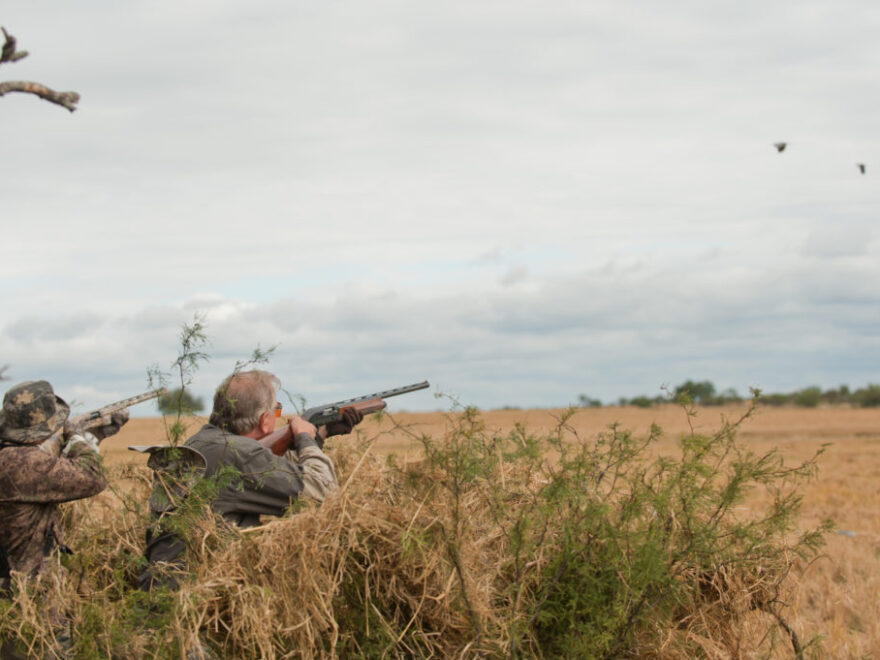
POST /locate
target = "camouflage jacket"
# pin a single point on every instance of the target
(267, 484)
(32, 484)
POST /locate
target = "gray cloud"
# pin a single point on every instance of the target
(514, 275)
(609, 335)
(839, 241)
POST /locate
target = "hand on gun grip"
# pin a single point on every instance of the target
(117, 421)
(299, 425)
(351, 417)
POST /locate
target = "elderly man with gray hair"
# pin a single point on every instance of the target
(241, 434)
(271, 468)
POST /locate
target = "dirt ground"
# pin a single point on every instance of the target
(838, 598)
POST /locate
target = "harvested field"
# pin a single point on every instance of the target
(838, 591)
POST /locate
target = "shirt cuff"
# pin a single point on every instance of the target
(77, 443)
(303, 440)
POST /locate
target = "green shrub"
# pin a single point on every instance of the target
(702, 392)
(775, 399)
(809, 397)
(585, 401)
(179, 400)
(837, 396)
(868, 397)
(606, 549)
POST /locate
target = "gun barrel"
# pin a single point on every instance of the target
(103, 411)
(330, 412)
(396, 391)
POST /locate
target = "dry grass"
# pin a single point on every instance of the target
(240, 593)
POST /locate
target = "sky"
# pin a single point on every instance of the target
(518, 201)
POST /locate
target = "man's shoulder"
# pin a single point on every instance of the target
(205, 434)
(23, 454)
(210, 434)
(211, 440)
(20, 463)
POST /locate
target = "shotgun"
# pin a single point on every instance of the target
(369, 403)
(96, 418)
(101, 416)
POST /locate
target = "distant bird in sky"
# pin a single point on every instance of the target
(861, 167)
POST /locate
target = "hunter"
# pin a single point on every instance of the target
(241, 434)
(43, 462)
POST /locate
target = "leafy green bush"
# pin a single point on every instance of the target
(837, 396)
(868, 397)
(775, 399)
(809, 397)
(606, 549)
(179, 400)
(585, 401)
(700, 392)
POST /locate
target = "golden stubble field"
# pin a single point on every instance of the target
(839, 594)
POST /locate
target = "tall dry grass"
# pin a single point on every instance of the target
(435, 554)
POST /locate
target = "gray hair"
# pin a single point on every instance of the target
(242, 398)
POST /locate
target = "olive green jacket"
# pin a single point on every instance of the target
(266, 484)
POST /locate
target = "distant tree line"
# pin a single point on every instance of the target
(704, 393)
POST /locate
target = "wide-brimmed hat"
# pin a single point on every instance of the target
(31, 413)
(176, 470)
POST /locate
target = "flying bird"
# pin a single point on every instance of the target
(861, 167)
(780, 146)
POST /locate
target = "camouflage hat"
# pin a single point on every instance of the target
(175, 471)
(31, 413)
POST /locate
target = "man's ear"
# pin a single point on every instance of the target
(267, 424)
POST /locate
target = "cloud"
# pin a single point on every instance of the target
(605, 330)
(515, 275)
(840, 241)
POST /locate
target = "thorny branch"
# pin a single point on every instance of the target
(10, 54)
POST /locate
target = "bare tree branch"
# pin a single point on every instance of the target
(66, 99)
(10, 54)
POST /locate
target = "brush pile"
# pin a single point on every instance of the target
(513, 546)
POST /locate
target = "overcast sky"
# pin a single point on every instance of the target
(518, 201)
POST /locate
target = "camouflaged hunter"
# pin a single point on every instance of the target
(42, 464)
